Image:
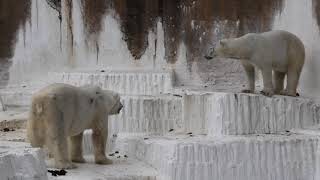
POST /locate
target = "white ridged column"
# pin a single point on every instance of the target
(268, 157)
(130, 83)
(238, 114)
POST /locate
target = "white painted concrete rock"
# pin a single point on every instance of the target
(130, 83)
(263, 157)
(147, 115)
(20, 162)
(221, 113)
(17, 97)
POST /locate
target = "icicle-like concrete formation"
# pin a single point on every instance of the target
(222, 113)
(147, 115)
(17, 161)
(130, 82)
(263, 157)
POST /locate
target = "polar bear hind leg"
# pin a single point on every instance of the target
(292, 83)
(56, 137)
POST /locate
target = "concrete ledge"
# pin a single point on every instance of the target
(143, 115)
(20, 162)
(121, 169)
(263, 157)
(129, 83)
(222, 113)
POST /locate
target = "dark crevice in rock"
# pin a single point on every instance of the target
(316, 11)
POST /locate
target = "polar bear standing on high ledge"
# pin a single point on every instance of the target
(278, 51)
(59, 115)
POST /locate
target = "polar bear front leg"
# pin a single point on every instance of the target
(249, 68)
(99, 139)
(267, 82)
(59, 149)
(76, 148)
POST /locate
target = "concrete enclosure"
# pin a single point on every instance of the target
(54, 35)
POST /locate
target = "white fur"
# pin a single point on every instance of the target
(277, 51)
(59, 115)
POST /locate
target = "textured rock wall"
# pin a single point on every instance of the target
(238, 114)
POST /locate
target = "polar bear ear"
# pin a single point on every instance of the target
(223, 43)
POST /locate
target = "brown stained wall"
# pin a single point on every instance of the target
(136, 18)
(93, 13)
(191, 22)
(13, 15)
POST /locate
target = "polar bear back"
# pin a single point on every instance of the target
(277, 49)
(280, 47)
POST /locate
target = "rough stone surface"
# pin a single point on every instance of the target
(13, 119)
(130, 83)
(143, 115)
(17, 97)
(221, 113)
(263, 157)
(20, 162)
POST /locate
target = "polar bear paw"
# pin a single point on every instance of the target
(287, 93)
(267, 92)
(247, 91)
(78, 160)
(103, 161)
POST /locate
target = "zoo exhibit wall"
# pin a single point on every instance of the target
(42, 36)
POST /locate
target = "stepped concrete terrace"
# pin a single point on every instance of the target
(123, 82)
(179, 134)
(283, 156)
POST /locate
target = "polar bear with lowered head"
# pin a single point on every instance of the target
(278, 51)
(59, 115)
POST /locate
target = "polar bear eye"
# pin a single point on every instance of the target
(97, 92)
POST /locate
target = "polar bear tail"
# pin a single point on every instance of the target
(35, 127)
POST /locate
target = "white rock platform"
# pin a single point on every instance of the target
(20, 162)
(263, 157)
(220, 113)
(172, 134)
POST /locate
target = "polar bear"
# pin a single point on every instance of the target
(278, 51)
(60, 113)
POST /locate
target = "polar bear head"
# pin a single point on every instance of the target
(117, 106)
(110, 100)
(234, 48)
(105, 100)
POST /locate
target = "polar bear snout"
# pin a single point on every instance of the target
(120, 108)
